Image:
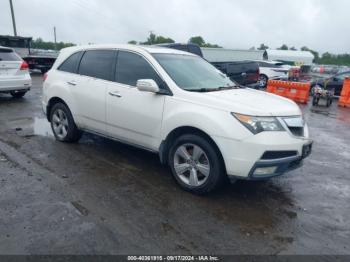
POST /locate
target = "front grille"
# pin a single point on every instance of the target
(270, 155)
(295, 125)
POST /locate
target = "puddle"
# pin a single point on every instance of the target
(28, 127)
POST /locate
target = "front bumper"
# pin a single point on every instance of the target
(279, 165)
(243, 157)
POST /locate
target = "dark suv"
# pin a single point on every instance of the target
(334, 82)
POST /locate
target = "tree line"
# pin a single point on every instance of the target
(152, 39)
(39, 43)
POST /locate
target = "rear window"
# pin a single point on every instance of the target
(71, 63)
(8, 55)
(99, 64)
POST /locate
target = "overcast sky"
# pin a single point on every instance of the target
(319, 24)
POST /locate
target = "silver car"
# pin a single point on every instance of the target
(14, 73)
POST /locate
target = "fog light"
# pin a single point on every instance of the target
(260, 171)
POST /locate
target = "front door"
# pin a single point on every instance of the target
(132, 115)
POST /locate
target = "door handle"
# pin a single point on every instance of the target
(116, 94)
(72, 83)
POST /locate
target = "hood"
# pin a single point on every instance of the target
(248, 101)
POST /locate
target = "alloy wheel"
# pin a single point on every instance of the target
(60, 123)
(191, 165)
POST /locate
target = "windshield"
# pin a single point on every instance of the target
(193, 73)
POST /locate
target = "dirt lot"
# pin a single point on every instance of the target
(102, 197)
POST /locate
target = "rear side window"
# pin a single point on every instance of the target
(71, 63)
(132, 67)
(98, 64)
(8, 55)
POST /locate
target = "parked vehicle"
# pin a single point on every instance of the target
(14, 75)
(189, 47)
(334, 82)
(36, 58)
(271, 70)
(322, 96)
(243, 72)
(173, 103)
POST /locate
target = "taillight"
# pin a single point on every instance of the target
(24, 66)
(44, 77)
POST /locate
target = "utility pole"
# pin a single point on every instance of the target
(13, 19)
(54, 33)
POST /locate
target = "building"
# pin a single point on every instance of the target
(289, 56)
(228, 55)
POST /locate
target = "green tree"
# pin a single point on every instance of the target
(315, 53)
(283, 47)
(132, 42)
(198, 40)
(293, 48)
(163, 40)
(154, 39)
(39, 43)
(263, 47)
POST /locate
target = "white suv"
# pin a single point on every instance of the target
(14, 74)
(176, 104)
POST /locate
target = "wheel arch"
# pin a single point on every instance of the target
(182, 130)
(53, 100)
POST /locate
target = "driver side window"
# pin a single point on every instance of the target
(132, 67)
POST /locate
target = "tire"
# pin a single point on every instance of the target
(63, 125)
(196, 164)
(329, 102)
(18, 94)
(263, 81)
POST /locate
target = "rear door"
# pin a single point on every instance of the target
(10, 64)
(132, 115)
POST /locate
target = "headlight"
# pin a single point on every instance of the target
(258, 124)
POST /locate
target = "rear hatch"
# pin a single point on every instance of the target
(10, 63)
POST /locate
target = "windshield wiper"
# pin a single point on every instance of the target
(227, 87)
(200, 90)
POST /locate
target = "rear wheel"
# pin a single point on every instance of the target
(196, 165)
(62, 124)
(18, 94)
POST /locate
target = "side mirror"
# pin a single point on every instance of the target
(147, 85)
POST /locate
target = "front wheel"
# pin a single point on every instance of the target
(196, 164)
(18, 94)
(62, 124)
